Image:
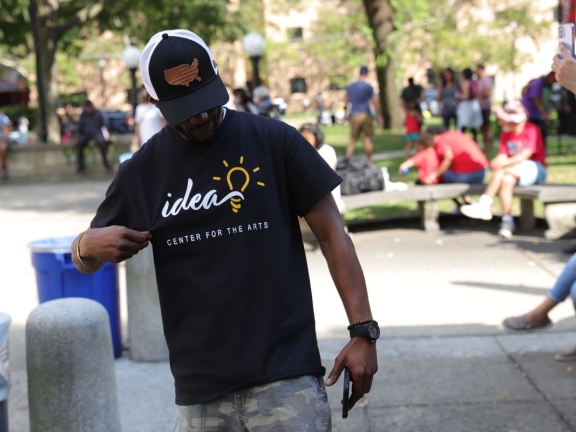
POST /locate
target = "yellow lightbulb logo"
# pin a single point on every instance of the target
(235, 202)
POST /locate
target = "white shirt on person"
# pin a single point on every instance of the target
(329, 155)
(149, 121)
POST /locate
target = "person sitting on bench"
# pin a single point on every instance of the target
(521, 160)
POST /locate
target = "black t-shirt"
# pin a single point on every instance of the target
(412, 94)
(231, 270)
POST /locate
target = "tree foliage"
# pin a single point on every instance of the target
(457, 34)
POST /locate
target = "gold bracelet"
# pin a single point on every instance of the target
(98, 262)
(357, 323)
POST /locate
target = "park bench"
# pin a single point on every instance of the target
(428, 195)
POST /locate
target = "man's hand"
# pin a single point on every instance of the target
(113, 244)
(359, 355)
(565, 68)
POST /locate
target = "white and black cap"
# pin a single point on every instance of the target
(178, 70)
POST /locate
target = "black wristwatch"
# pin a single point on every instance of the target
(368, 330)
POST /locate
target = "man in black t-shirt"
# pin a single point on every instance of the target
(412, 93)
(218, 193)
(91, 127)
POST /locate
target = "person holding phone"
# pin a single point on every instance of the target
(564, 65)
(218, 193)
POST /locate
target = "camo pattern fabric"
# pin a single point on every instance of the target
(294, 404)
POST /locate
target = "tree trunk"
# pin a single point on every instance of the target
(47, 21)
(381, 19)
(49, 70)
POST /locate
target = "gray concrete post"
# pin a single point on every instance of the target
(429, 215)
(71, 377)
(5, 321)
(145, 331)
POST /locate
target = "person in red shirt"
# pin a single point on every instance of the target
(412, 124)
(425, 159)
(461, 160)
(521, 160)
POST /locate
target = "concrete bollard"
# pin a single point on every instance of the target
(145, 331)
(71, 377)
(4, 370)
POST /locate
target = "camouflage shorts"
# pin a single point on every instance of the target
(294, 404)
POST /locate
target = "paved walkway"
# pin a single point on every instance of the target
(445, 364)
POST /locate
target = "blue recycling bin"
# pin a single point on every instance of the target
(57, 278)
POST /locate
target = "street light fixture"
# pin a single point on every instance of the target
(131, 57)
(254, 45)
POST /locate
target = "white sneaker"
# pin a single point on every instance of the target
(506, 229)
(476, 211)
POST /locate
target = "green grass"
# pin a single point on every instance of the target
(561, 169)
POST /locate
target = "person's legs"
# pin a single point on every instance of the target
(486, 130)
(368, 129)
(103, 147)
(217, 414)
(446, 121)
(354, 134)
(505, 193)
(407, 148)
(82, 143)
(474, 134)
(292, 404)
(564, 286)
(481, 209)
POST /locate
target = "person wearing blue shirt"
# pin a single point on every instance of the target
(360, 95)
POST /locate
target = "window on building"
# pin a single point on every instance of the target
(298, 85)
(294, 34)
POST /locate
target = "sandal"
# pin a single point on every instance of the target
(520, 324)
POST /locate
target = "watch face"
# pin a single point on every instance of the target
(373, 331)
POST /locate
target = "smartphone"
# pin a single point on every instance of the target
(346, 395)
(566, 36)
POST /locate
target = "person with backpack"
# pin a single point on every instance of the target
(468, 113)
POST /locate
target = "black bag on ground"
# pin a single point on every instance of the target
(359, 175)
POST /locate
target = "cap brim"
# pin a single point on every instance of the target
(510, 117)
(178, 110)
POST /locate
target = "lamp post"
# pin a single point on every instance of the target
(254, 45)
(131, 56)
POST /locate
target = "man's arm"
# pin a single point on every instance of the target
(409, 163)
(376, 103)
(359, 355)
(538, 104)
(447, 159)
(522, 155)
(137, 133)
(96, 246)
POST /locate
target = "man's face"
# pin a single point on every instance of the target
(201, 127)
(480, 72)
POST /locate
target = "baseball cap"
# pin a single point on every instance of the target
(512, 112)
(178, 70)
(363, 70)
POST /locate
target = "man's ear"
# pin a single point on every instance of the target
(151, 100)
